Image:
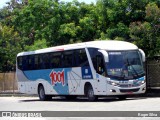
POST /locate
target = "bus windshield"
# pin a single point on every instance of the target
(125, 65)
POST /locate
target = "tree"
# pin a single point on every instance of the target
(38, 24)
(67, 33)
(146, 34)
(9, 47)
(152, 13)
(120, 30)
(153, 16)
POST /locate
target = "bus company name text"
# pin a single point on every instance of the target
(57, 77)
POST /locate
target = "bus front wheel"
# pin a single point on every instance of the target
(122, 97)
(90, 94)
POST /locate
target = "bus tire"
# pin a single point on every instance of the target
(90, 94)
(70, 97)
(122, 97)
(42, 95)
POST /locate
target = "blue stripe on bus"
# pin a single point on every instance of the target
(58, 78)
(142, 78)
(34, 75)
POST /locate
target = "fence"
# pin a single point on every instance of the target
(153, 73)
(8, 83)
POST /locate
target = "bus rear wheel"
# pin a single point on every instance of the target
(90, 94)
(42, 95)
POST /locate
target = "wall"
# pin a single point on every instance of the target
(8, 83)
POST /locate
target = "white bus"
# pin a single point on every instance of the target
(92, 69)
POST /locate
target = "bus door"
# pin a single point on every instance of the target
(100, 74)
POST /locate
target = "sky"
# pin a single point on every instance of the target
(2, 2)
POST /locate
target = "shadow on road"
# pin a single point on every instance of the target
(149, 94)
(83, 99)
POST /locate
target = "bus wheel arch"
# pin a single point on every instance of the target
(89, 92)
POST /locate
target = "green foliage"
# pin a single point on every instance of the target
(39, 44)
(146, 34)
(34, 24)
(9, 47)
(120, 30)
(153, 13)
(67, 32)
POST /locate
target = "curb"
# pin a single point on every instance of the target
(16, 95)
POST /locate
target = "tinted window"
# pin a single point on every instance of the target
(46, 61)
(55, 60)
(98, 61)
(72, 58)
(68, 59)
(19, 62)
(93, 54)
(24, 63)
(30, 60)
(41, 64)
(36, 62)
(81, 57)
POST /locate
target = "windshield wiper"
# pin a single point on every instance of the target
(132, 68)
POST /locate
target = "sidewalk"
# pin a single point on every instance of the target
(15, 93)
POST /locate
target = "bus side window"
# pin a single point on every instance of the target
(55, 60)
(30, 59)
(36, 62)
(67, 59)
(46, 60)
(24, 63)
(93, 53)
(19, 62)
(40, 64)
(82, 58)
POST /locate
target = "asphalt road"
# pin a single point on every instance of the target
(57, 104)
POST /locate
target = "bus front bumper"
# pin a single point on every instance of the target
(115, 90)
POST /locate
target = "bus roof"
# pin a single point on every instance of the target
(110, 45)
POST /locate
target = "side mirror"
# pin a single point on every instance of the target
(143, 55)
(105, 54)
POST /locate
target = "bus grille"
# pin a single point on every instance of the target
(128, 85)
(129, 90)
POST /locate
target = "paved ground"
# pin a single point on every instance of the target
(57, 104)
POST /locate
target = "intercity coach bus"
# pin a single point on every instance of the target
(93, 69)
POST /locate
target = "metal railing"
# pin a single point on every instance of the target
(153, 73)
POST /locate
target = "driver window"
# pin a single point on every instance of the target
(98, 61)
(100, 67)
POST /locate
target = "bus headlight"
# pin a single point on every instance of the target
(112, 83)
(141, 82)
(115, 84)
